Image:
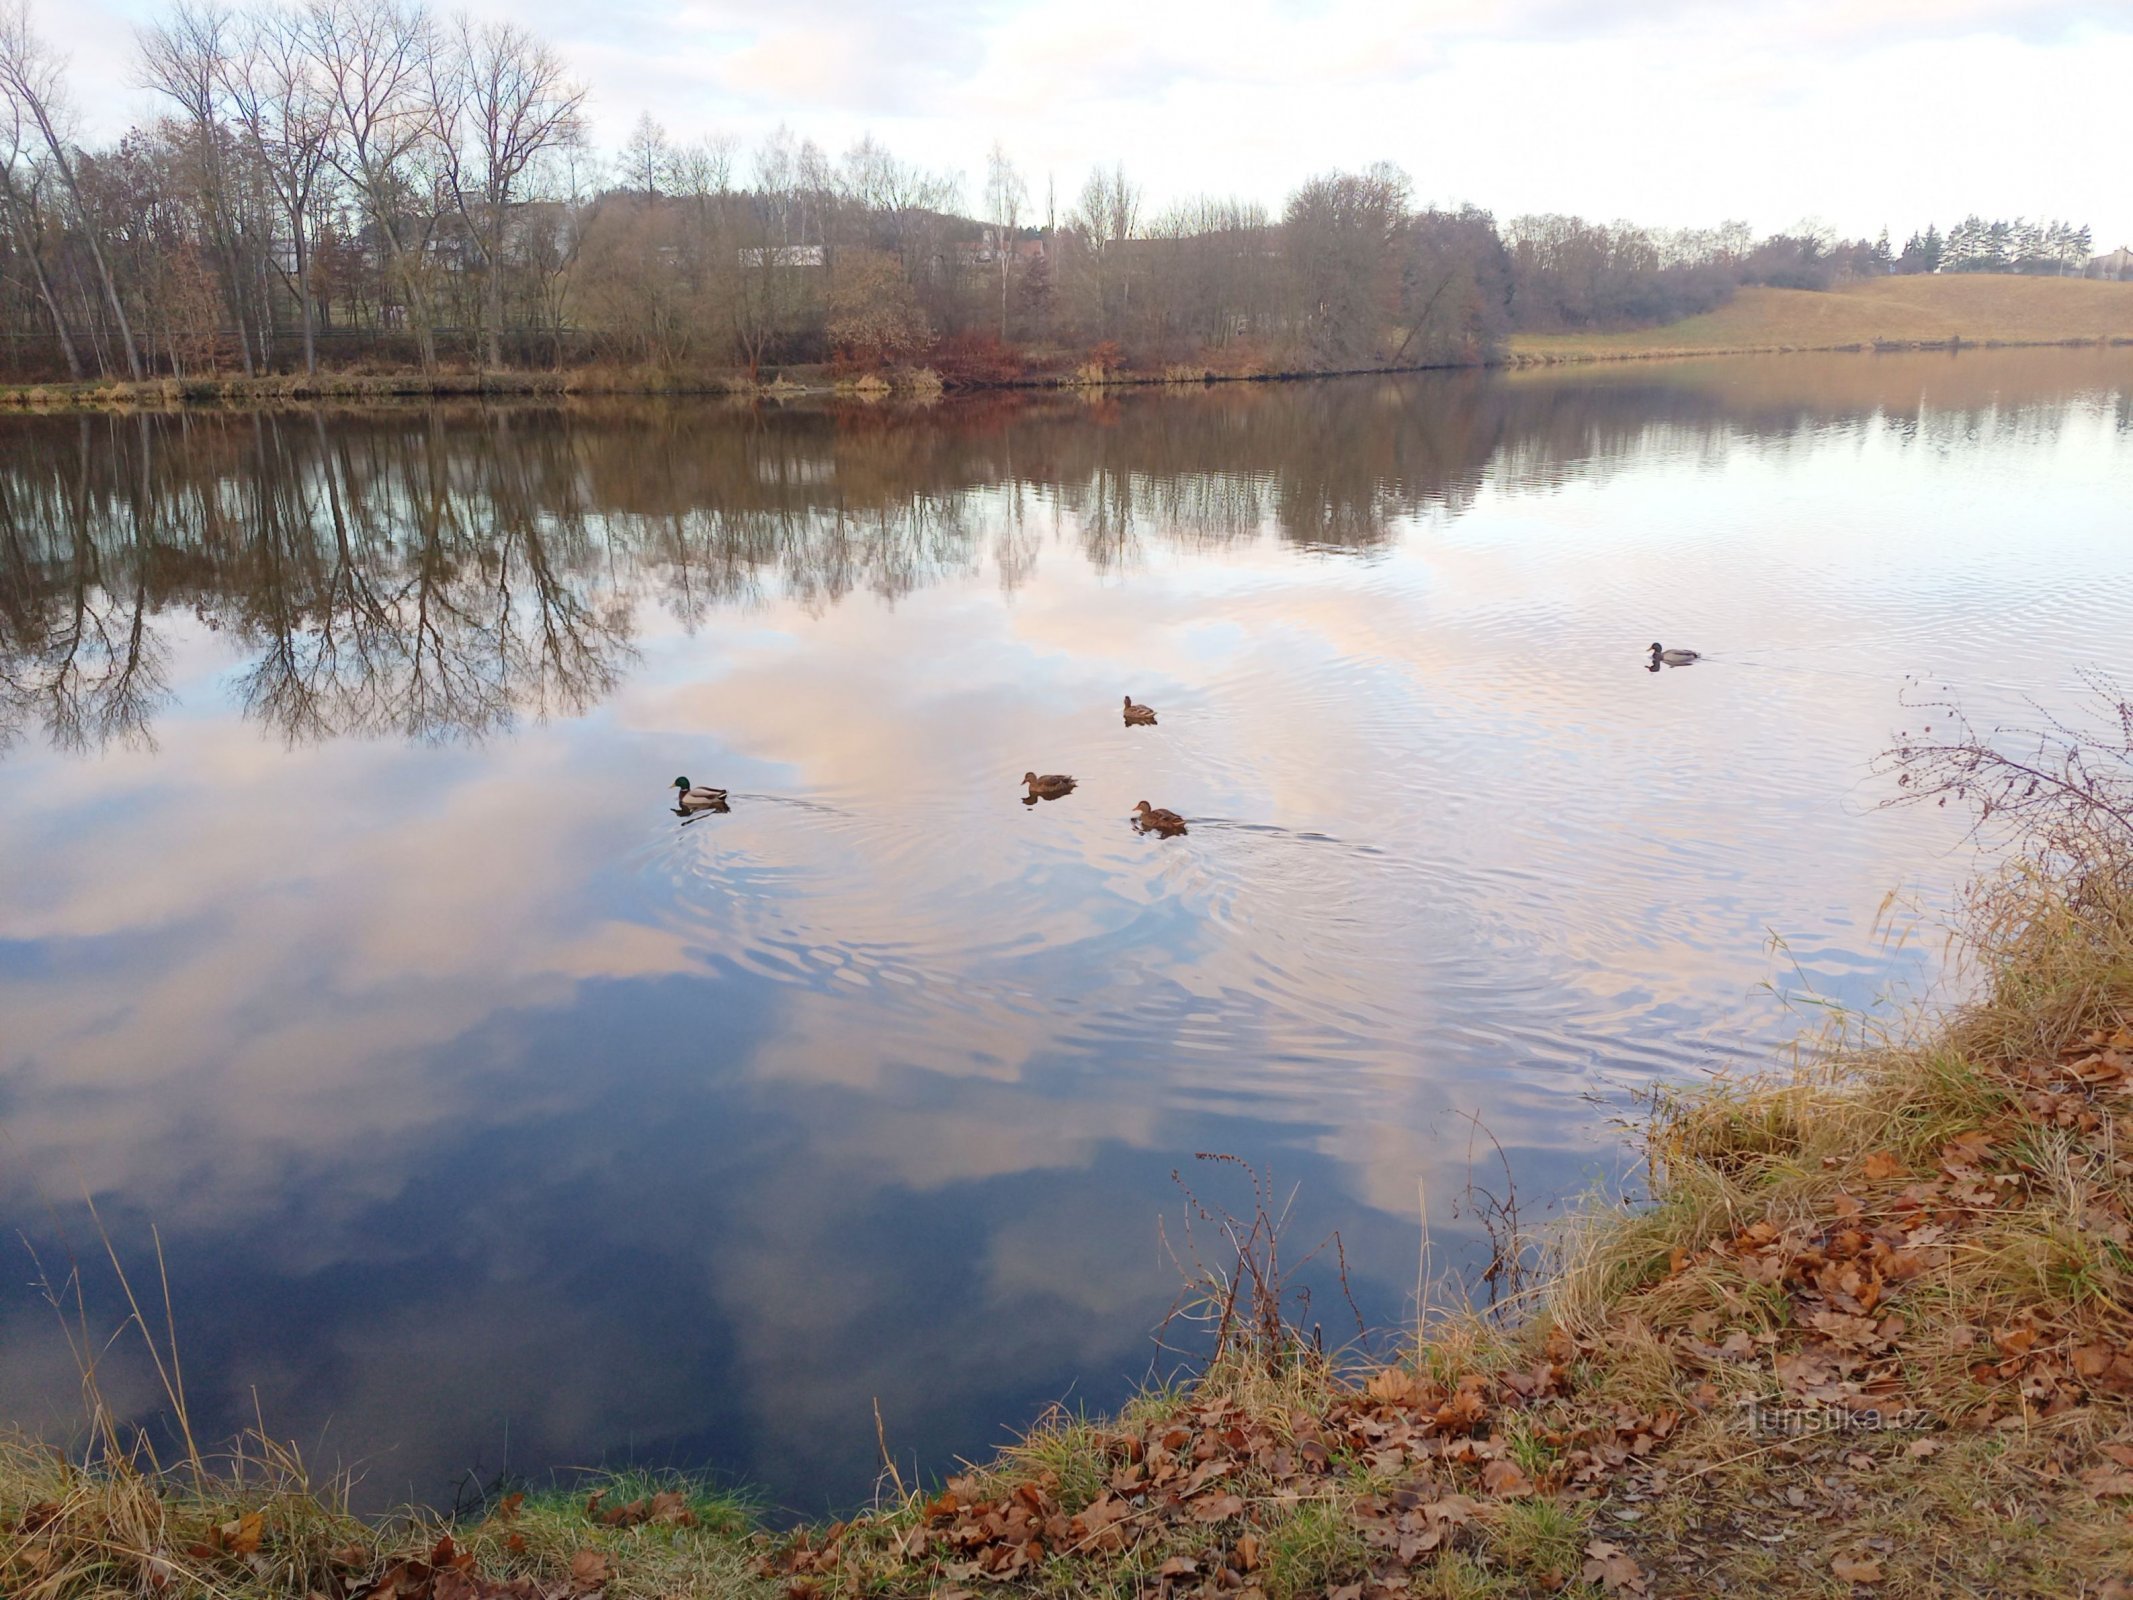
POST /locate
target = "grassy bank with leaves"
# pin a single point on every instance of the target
(1870, 1334)
(1922, 312)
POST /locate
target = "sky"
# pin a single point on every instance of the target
(1856, 114)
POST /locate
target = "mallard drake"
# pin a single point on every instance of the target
(1154, 819)
(696, 797)
(1048, 786)
(1139, 716)
(1674, 658)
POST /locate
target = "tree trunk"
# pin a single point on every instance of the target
(89, 232)
(492, 310)
(303, 301)
(28, 246)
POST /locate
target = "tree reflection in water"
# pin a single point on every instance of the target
(440, 573)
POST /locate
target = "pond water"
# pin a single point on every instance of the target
(492, 1118)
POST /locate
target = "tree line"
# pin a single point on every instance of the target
(2049, 249)
(362, 182)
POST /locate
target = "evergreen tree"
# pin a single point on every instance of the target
(1921, 252)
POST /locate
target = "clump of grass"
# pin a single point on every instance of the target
(1310, 1549)
(255, 1523)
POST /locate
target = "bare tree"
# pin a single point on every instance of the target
(704, 170)
(21, 196)
(374, 60)
(1340, 236)
(503, 102)
(1105, 216)
(647, 156)
(32, 86)
(187, 59)
(280, 104)
(1004, 195)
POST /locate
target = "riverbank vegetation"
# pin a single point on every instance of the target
(1866, 1332)
(358, 188)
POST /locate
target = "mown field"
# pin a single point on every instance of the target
(1920, 310)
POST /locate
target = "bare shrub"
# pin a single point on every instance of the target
(2059, 784)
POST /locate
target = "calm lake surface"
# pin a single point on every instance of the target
(493, 1119)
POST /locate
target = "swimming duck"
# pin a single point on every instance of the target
(696, 797)
(1154, 819)
(1139, 716)
(1050, 786)
(1674, 658)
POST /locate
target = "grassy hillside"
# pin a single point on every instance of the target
(1923, 310)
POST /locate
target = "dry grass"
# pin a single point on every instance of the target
(260, 1528)
(1925, 310)
(2004, 1481)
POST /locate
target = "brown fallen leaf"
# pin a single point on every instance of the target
(1248, 1551)
(672, 1507)
(1856, 1569)
(1613, 1568)
(2015, 1341)
(241, 1536)
(1453, 1508)
(1506, 1479)
(1416, 1544)
(1847, 1332)
(590, 1569)
(1881, 1164)
(1217, 1508)
(1393, 1385)
(2108, 1482)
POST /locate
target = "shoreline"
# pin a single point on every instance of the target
(236, 392)
(175, 395)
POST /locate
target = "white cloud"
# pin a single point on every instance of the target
(1899, 113)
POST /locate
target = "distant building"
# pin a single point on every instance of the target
(783, 255)
(2117, 266)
